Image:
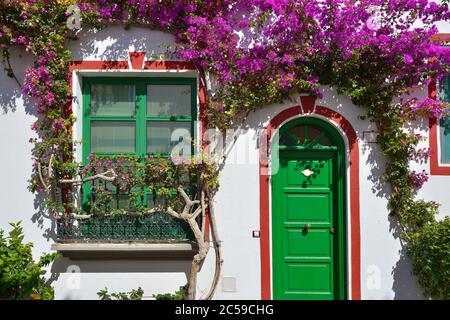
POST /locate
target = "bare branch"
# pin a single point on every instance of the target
(81, 216)
(186, 197)
(203, 205)
(189, 203)
(100, 176)
(195, 214)
(156, 209)
(217, 246)
(41, 178)
(50, 166)
(173, 213)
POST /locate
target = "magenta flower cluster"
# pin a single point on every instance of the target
(418, 179)
(426, 107)
(290, 41)
(421, 154)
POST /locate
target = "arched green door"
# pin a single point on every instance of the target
(308, 205)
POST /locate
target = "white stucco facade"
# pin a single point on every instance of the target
(385, 269)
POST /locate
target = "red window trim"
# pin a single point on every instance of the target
(433, 128)
(442, 37)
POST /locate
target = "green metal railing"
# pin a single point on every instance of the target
(156, 227)
(129, 225)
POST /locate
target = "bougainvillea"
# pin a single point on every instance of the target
(259, 52)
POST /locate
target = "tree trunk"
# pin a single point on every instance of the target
(217, 247)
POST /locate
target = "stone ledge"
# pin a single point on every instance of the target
(125, 250)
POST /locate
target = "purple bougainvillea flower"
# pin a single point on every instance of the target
(408, 59)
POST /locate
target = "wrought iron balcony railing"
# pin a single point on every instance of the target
(156, 227)
(117, 219)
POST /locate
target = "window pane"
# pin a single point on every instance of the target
(159, 135)
(444, 126)
(112, 100)
(168, 100)
(113, 136)
(121, 201)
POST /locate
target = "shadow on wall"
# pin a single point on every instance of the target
(11, 93)
(101, 45)
(73, 275)
(12, 101)
(66, 265)
(405, 284)
(375, 161)
(42, 217)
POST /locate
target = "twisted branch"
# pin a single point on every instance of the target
(101, 176)
(50, 186)
(189, 215)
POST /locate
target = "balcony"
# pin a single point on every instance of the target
(117, 207)
(156, 227)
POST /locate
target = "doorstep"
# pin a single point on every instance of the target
(130, 250)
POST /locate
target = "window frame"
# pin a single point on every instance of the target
(443, 149)
(140, 117)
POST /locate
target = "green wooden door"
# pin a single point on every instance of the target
(307, 212)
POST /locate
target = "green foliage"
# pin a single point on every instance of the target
(155, 174)
(135, 294)
(430, 254)
(20, 276)
(102, 203)
(427, 241)
(180, 294)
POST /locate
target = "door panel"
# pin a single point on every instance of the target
(314, 243)
(318, 283)
(308, 206)
(304, 191)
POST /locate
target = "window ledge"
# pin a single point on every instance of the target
(125, 250)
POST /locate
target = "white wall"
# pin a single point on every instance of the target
(237, 202)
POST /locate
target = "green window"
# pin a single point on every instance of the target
(137, 117)
(444, 124)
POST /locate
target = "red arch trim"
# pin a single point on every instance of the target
(308, 106)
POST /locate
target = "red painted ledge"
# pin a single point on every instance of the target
(157, 65)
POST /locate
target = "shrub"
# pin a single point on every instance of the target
(135, 294)
(181, 294)
(20, 276)
(430, 254)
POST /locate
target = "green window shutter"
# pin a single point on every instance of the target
(445, 124)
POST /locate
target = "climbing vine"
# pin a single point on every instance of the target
(256, 53)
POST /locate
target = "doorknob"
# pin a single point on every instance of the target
(308, 226)
(332, 230)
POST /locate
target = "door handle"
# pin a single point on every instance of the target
(308, 226)
(332, 230)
